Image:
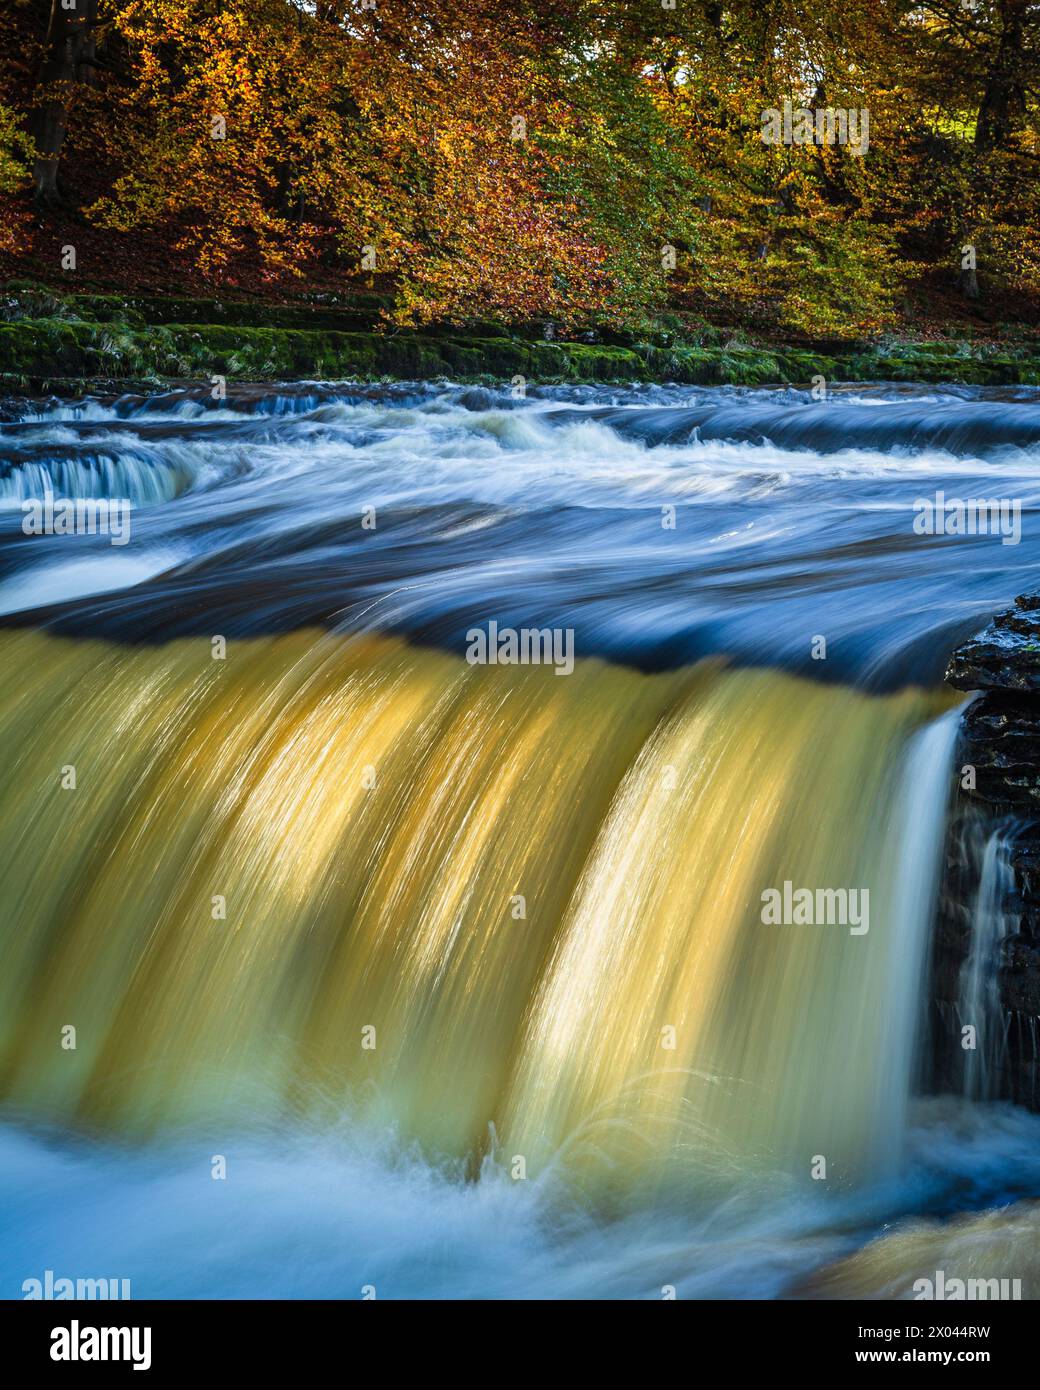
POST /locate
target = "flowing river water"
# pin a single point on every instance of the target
(461, 968)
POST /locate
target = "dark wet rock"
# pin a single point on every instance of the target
(1001, 744)
(1004, 657)
(1023, 621)
(13, 408)
(998, 766)
(1018, 972)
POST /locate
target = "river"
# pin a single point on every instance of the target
(394, 969)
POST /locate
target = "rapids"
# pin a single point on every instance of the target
(463, 968)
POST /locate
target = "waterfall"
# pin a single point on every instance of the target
(540, 900)
(526, 980)
(979, 1005)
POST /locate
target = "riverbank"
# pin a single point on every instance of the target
(75, 344)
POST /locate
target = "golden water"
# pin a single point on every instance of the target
(639, 817)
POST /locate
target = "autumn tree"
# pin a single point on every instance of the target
(586, 162)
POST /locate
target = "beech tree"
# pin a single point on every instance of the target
(588, 162)
(69, 62)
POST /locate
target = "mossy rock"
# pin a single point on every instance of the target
(123, 342)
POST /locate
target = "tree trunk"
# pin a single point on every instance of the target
(68, 61)
(1003, 102)
(967, 275)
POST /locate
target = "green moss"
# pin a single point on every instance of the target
(119, 345)
(352, 311)
(960, 361)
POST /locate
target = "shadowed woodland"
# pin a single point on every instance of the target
(530, 161)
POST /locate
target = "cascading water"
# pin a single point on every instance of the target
(637, 816)
(465, 968)
(979, 996)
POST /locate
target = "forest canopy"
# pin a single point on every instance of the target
(586, 162)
